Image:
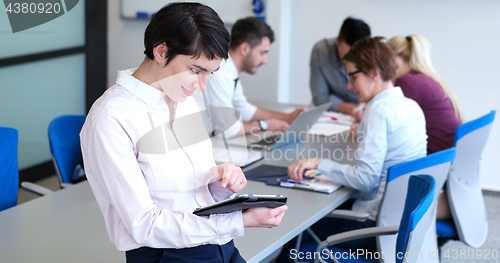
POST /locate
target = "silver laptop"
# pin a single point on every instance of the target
(271, 140)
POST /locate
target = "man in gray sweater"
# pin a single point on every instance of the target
(328, 81)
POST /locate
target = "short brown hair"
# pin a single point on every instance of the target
(373, 54)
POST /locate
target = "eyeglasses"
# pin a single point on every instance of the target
(350, 77)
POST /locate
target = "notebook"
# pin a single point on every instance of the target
(239, 156)
(271, 175)
(275, 175)
(327, 129)
(336, 117)
(319, 183)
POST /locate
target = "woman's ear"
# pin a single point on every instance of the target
(160, 53)
(375, 75)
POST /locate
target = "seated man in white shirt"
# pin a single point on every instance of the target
(250, 41)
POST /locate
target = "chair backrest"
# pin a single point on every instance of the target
(464, 189)
(9, 175)
(391, 207)
(416, 219)
(64, 140)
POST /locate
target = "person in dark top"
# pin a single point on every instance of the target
(328, 80)
(419, 81)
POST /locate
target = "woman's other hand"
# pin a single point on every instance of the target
(354, 129)
(298, 168)
(231, 176)
(264, 216)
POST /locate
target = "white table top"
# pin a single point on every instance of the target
(67, 226)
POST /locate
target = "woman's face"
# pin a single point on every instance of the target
(360, 82)
(399, 63)
(184, 75)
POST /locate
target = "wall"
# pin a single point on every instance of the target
(464, 37)
(125, 41)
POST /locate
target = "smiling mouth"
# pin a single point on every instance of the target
(187, 92)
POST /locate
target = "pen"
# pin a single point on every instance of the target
(296, 182)
(360, 107)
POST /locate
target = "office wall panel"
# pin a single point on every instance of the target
(65, 31)
(33, 94)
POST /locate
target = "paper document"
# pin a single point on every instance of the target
(319, 183)
(336, 117)
(239, 156)
(327, 129)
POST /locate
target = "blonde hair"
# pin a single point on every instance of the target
(414, 49)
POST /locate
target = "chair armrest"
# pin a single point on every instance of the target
(35, 189)
(359, 233)
(66, 185)
(348, 214)
(353, 235)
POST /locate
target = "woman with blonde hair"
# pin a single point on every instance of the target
(419, 81)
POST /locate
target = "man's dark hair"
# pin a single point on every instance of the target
(189, 29)
(250, 30)
(353, 30)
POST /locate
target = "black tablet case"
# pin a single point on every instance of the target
(240, 203)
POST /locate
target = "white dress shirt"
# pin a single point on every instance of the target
(147, 194)
(223, 91)
(392, 131)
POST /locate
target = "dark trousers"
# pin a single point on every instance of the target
(202, 254)
(326, 227)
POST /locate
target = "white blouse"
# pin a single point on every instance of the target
(148, 177)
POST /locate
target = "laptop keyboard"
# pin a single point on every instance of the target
(269, 140)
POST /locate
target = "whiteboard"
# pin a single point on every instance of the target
(228, 10)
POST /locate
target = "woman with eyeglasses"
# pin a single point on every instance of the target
(419, 81)
(392, 131)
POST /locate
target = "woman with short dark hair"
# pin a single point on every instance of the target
(148, 158)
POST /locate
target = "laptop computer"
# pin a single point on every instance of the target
(268, 140)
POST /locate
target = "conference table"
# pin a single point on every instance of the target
(67, 226)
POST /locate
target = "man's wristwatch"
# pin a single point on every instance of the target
(263, 125)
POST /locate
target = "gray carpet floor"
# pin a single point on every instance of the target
(492, 244)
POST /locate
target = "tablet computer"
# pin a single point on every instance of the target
(241, 202)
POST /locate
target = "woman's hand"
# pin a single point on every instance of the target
(292, 116)
(276, 125)
(354, 129)
(359, 112)
(298, 168)
(231, 176)
(264, 216)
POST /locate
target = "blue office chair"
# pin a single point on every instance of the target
(390, 211)
(392, 204)
(64, 140)
(9, 176)
(416, 220)
(465, 197)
